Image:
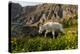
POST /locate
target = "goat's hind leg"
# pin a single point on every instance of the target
(53, 33)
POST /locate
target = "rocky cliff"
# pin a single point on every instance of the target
(26, 20)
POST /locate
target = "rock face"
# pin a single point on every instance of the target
(16, 10)
(26, 20)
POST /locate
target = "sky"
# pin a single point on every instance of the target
(23, 3)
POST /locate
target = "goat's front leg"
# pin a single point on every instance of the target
(46, 33)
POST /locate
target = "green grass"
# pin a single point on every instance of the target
(37, 43)
(40, 43)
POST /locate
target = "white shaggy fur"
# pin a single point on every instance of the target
(51, 27)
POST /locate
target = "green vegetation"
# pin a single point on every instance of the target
(27, 44)
(40, 43)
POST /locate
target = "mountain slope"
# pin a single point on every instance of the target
(26, 20)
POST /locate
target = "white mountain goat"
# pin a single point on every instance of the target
(51, 27)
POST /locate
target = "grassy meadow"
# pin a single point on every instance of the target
(40, 43)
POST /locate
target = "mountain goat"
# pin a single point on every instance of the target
(53, 27)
